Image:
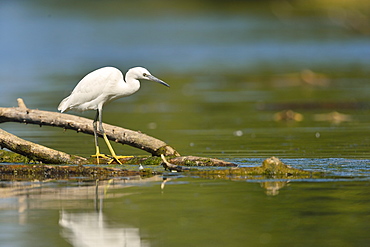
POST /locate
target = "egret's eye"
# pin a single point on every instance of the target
(144, 74)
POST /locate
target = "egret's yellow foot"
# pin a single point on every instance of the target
(117, 157)
(98, 155)
(114, 156)
(110, 158)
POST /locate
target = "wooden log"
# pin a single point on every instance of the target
(200, 161)
(132, 138)
(136, 139)
(174, 168)
(37, 152)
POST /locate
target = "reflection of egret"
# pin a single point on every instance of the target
(91, 228)
(102, 86)
(163, 183)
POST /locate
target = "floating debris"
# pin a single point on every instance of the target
(288, 115)
(333, 117)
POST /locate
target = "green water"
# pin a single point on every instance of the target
(217, 213)
(190, 212)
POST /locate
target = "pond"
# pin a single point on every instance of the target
(248, 81)
(185, 211)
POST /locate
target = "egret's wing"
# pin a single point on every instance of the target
(63, 105)
(89, 92)
(95, 81)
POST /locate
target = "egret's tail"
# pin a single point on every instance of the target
(63, 106)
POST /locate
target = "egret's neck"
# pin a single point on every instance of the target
(132, 85)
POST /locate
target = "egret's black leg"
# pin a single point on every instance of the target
(97, 153)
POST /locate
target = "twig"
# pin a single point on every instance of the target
(172, 167)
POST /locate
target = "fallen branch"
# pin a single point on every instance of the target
(200, 161)
(173, 168)
(177, 163)
(37, 152)
(42, 172)
(272, 167)
(132, 138)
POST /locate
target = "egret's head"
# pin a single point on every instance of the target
(143, 73)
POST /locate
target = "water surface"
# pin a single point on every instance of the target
(188, 211)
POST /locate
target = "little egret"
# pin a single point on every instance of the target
(102, 86)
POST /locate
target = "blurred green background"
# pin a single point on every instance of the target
(248, 78)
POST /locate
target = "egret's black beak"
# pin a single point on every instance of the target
(153, 78)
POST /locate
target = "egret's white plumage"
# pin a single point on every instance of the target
(102, 86)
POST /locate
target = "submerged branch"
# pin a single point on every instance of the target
(171, 167)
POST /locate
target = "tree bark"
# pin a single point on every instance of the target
(199, 161)
(135, 139)
(37, 152)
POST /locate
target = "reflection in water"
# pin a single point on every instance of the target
(87, 228)
(214, 212)
(273, 187)
(91, 229)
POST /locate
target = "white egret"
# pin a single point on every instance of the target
(102, 86)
